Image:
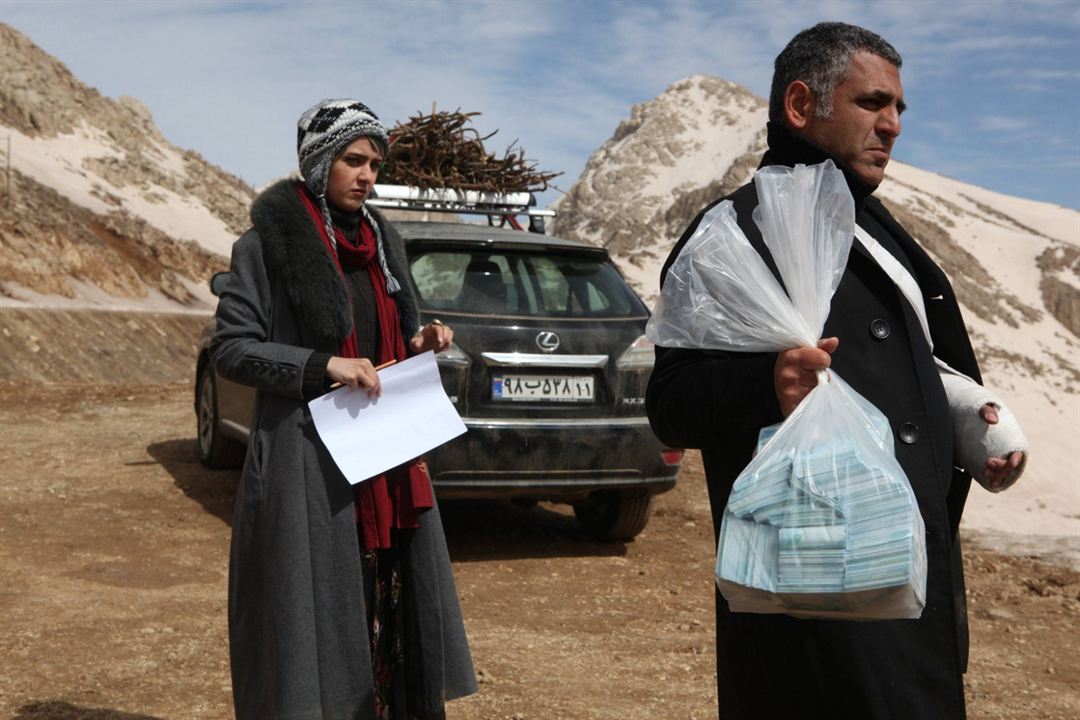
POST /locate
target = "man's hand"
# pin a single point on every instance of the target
(356, 373)
(997, 469)
(433, 336)
(795, 372)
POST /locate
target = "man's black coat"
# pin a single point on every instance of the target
(774, 666)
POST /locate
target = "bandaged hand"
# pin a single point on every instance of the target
(987, 439)
(997, 469)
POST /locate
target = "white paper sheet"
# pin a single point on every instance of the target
(368, 436)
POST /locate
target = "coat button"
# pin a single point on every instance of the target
(908, 432)
(879, 329)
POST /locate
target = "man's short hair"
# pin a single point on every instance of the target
(820, 56)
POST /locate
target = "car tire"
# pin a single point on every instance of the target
(612, 515)
(215, 450)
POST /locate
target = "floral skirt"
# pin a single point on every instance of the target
(385, 617)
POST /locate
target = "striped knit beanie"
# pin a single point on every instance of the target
(322, 134)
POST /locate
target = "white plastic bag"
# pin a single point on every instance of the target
(823, 521)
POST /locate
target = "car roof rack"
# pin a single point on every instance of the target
(505, 206)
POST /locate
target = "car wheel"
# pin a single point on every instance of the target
(215, 450)
(613, 515)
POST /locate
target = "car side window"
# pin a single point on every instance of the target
(528, 288)
(510, 289)
(597, 302)
(439, 277)
(554, 290)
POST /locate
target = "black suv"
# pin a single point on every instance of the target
(548, 370)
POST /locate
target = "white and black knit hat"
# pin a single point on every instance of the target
(322, 134)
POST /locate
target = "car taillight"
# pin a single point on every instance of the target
(671, 456)
(453, 356)
(639, 356)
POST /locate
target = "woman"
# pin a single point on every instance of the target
(341, 599)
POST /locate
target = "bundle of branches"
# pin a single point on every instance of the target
(441, 150)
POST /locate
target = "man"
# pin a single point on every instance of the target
(837, 94)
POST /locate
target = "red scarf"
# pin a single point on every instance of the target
(395, 499)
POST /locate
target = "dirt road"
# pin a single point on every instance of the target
(113, 544)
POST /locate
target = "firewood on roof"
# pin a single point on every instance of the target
(443, 150)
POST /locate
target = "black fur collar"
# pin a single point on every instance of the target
(295, 255)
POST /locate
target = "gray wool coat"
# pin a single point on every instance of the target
(299, 644)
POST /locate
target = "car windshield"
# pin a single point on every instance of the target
(512, 282)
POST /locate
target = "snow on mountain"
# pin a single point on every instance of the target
(102, 210)
(1015, 265)
(662, 165)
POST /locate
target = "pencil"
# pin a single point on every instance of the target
(386, 364)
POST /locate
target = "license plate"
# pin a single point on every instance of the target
(543, 388)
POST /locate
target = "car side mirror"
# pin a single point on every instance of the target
(218, 281)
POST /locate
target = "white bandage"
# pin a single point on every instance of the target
(974, 440)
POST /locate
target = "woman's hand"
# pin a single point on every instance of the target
(433, 336)
(795, 372)
(357, 373)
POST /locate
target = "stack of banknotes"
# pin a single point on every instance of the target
(820, 532)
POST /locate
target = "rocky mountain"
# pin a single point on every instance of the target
(699, 140)
(97, 208)
(99, 211)
(1015, 265)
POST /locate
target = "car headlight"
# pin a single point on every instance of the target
(639, 356)
(453, 356)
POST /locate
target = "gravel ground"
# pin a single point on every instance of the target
(113, 545)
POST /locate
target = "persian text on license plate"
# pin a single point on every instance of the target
(544, 388)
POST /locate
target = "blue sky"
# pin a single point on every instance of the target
(993, 87)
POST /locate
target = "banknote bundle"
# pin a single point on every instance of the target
(818, 531)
